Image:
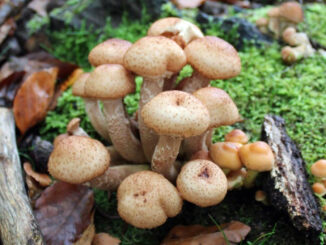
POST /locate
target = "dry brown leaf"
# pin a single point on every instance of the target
(105, 239)
(234, 232)
(6, 29)
(88, 235)
(185, 4)
(64, 212)
(33, 98)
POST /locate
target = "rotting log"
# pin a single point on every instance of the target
(17, 222)
(286, 184)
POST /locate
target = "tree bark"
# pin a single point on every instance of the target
(17, 222)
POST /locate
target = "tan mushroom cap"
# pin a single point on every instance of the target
(202, 182)
(154, 56)
(176, 113)
(288, 36)
(77, 159)
(273, 12)
(110, 51)
(257, 156)
(225, 154)
(146, 199)
(79, 85)
(179, 30)
(319, 188)
(291, 11)
(221, 108)
(109, 81)
(213, 57)
(318, 169)
(237, 136)
(262, 22)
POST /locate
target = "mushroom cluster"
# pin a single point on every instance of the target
(318, 169)
(163, 158)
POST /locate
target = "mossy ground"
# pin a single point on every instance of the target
(265, 86)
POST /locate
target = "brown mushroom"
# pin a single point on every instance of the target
(318, 169)
(146, 199)
(236, 136)
(202, 182)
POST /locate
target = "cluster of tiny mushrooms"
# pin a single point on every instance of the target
(173, 125)
(281, 22)
(318, 170)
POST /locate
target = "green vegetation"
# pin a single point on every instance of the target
(265, 86)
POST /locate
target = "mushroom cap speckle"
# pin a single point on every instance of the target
(225, 155)
(110, 51)
(179, 30)
(213, 57)
(79, 85)
(222, 110)
(176, 113)
(154, 56)
(202, 182)
(257, 156)
(237, 136)
(318, 169)
(110, 81)
(146, 199)
(291, 11)
(77, 159)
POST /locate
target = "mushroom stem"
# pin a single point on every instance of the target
(193, 83)
(150, 88)
(96, 117)
(194, 144)
(165, 154)
(113, 176)
(208, 137)
(250, 179)
(120, 132)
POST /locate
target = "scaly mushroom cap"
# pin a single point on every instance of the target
(291, 11)
(110, 81)
(257, 156)
(109, 52)
(179, 30)
(202, 182)
(154, 56)
(213, 57)
(225, 154)
(77, 159)
(176, 113)
(221, 108)
(79, 85)
(318, 169)
(146, 199)
(236, 136)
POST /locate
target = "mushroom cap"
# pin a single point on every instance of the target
(110, 51)
(109, 81)
(179, 30)
(237, 136)
(77, 159)
(318, 169)
(221, 108)
(146, 199)
(213, 57)
(176, 113)
(225, 154)
(202, 182)
(73, 125)
(291, 11)
(257, 156)
(262, 22)
(319, 188)
(79, 85)
(273, 12)
(154, 56)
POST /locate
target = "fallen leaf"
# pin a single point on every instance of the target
(87, 236)
(33, 98)
(64, 212)
(183, 4)
(6, 29)
(105, 239)
(232, 233)
(39, 6)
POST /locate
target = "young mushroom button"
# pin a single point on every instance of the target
(110, 83)
(155, 59)
(173, 115)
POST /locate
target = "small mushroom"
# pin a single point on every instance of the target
(319, 188)
(260, 196)
(257, 157)
(73, 128)
(155, 59)
(225, 155)
(146, 199)
(173, 115)
(202, 182)
(211, 58)
(318, 169)
(236, 136)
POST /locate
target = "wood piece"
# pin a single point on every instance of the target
(286, 184)
(17, 222)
